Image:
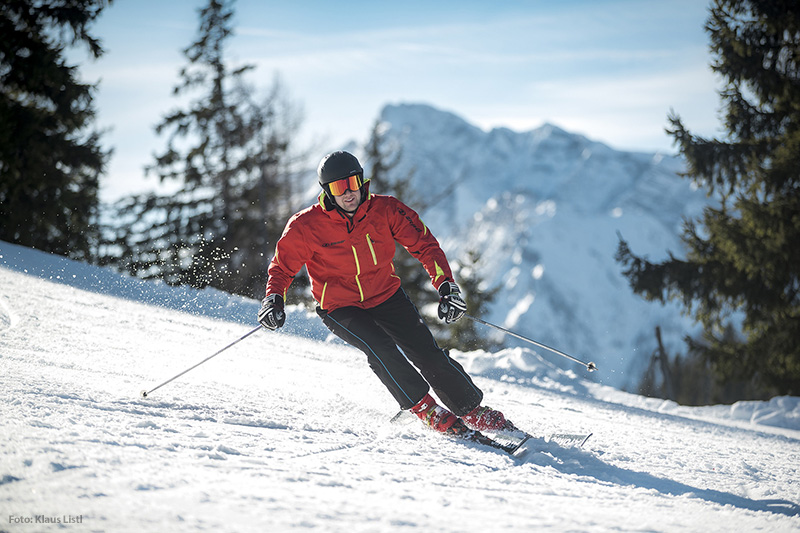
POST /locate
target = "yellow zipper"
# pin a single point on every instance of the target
(371, 249)
(358, 273)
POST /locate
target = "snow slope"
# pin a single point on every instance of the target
(289, 432)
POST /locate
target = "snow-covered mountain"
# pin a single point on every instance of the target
(544, 208)
(284, 433)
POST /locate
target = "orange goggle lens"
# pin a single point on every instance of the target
(339, 187)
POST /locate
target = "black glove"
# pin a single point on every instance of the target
(271, 315)
(451, 306)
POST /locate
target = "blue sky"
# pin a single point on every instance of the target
(608, 69)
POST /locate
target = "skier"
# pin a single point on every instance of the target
(347, 243)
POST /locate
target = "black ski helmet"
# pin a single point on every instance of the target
(338, 165)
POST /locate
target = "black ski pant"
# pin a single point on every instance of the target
(380, 330)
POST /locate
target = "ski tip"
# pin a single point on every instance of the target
(570, 439)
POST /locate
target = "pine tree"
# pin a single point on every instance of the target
(742, 264)
(50, 158)
(231, 156)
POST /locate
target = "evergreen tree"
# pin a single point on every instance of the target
(50, 158)
(742, 263)
(230, 155)
(270, 195)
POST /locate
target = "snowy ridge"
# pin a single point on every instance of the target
(286, 432)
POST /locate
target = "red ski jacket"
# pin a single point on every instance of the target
(348, 260)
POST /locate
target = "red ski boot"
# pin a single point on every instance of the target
(487, 419)
(438, 418)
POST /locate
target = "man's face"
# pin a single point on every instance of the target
(349, 201)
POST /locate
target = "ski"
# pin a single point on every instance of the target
(404, 417)
(520, 444)
(510, 448)
(567, 440)
(511, 440)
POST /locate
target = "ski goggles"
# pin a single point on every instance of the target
(341, 186)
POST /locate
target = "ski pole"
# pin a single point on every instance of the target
(146, 393)
(591, 367)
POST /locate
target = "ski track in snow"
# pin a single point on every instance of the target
(284, 433)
